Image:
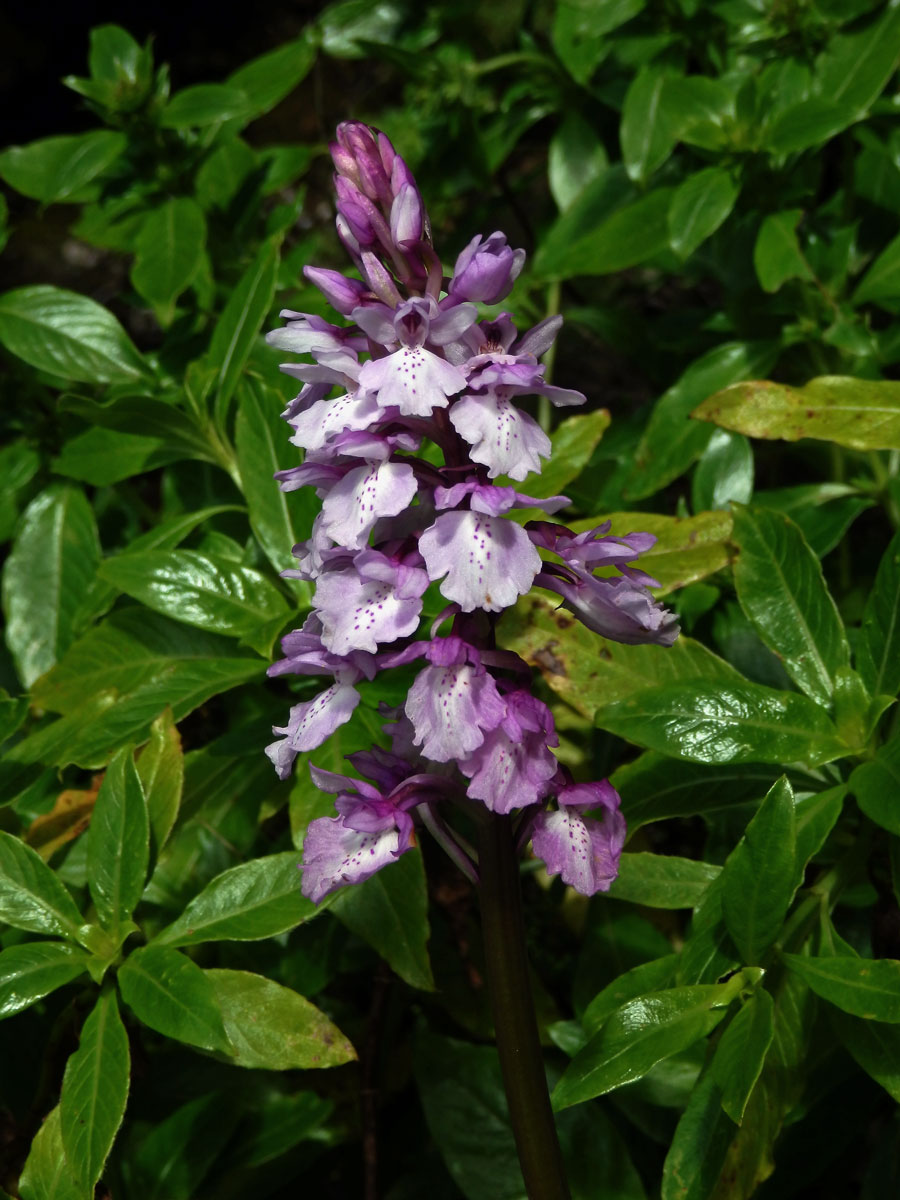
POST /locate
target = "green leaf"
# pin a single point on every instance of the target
(875, 786)
(210, 592)
(274, 1028)
(758, 877)
(390, 912)
(206, 104)
(671, 442)
(686, 548)
(171, 994)
(777, 256)
(724, 472)
(160, 769)
(855, 67)
(66, 334)
(222, 175)
(31, 970)
(816, 816)
(573, 442)
(741, 1052)
(51, 566)
(95, 1090)
(168, 252)
(580, 28)
(863, 414)
(646, 133)
(118, 843)
(699, 206)
(662, 880)
(882, 280)
(642, 1033)
(259, 441)
(266, 80)
(237, 327)
(823, 512)
(644, 978)
(57, 168)
(105, 456)
(254, 900)
(626, 237)
(31, 895)
(699, 1145)
(654, 787)
(576, 157)
(875, 1046)
(171, 1160)
(782, 590)
(878, 653)
(863, 987)
(591, 673)
(732, 722)
(807, 123)
(19, 463)
(116, 680)
(46, 1174)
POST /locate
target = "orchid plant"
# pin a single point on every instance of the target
(409, 462)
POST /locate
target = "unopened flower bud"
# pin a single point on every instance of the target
(486, 270)
(341, 293)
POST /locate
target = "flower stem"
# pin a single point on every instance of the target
(518, 1044)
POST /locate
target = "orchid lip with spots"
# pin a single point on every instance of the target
(416, 365)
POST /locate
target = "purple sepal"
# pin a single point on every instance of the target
(342, 294)
(616, 608)
(585, 853)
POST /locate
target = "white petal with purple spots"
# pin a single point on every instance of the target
(505, 440)
(313, 428)
(488, 561)
(309, 724)
(413, 379)
(450, 708)
(576, 849)
(334, 855)
(357, 614)
(364, 495)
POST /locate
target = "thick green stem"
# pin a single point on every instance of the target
(515, 1024)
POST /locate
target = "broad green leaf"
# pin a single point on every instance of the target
(57, 168)
(874, 1045)
(279, 1125)
(106, 456)
(160, 769)
(66, 334)
(876, 786)
(626, 237)
(863, 414)
(580, 28)
(118, 843)
(662, 880)
(724, 722)
(118, 678)
(863, 987)
(274, 1028)
(708, 952)
(240, 322)
(46, 1174)
(171, 1160)
(882, 280)
(699, 206)
(808, 123)
(816, 816)
(143, 416)
(824, 512)
(855, 67)
(573, 442)
(654, 787)
(268, 79)
(168, 253)
(640, 1034)
(782, 590)
(210, 592)
(878, 652)
(19, 463)
(686, 548)
(114, 55)
(95, 1090)
(390, 911)
(222, 174)
(638, 981)
(758, 877)
(741, 1052)
(576, 156)
(31, 895)
(52, 564)
(647, 134)
(671, 442)
(261, 451)
(591, 673)
(702, 110)
(777, 256)
(699, 1145)
(171, 994)
(724, 472)
(254, 900)
(206, 104)
(31, 970)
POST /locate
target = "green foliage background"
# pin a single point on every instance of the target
(709, 193)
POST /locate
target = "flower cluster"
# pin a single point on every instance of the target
(416, 366)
